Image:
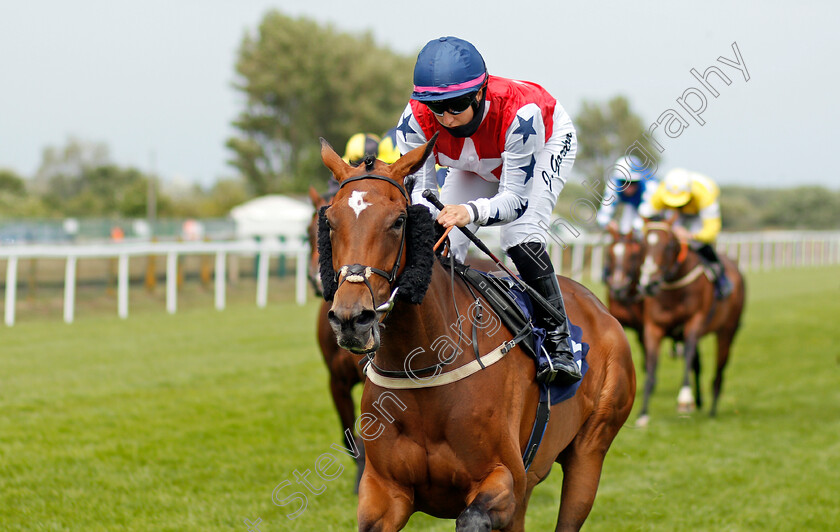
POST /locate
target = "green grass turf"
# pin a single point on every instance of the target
(189, 422)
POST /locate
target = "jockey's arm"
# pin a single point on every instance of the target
(709, 212)
(518, 161)
(710, 229)
(605, 213)
(410, 136)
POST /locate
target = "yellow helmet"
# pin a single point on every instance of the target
(388, 151)
(359, 145)
(676, 188)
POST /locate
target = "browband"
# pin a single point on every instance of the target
(381, 178)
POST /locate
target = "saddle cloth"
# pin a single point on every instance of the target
(515, 310)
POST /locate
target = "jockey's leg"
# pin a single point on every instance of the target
(723, 287)
(534, 265)
(526, 238)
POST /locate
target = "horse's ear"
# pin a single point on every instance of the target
(317, 200)
(333, 161)
(672, 218)
(413, 160)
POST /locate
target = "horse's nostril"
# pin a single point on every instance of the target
(366, 318)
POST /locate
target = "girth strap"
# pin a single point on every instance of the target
(538, 431)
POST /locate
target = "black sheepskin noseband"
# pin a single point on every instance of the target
(419, 258)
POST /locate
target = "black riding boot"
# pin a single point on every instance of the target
(561, 365)
(536, 270)
(723, 286)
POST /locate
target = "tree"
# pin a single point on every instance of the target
(302, 81)
(79, 179)
(72, 159)
(605, 132)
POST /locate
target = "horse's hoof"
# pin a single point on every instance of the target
(643, 421)
(685, 400)
(473, 519)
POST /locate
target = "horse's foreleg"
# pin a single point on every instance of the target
(383, 506)
(685, 399)
(653, 339)
(341, 388)
(582, 462)
(696, 370)
(493, 506)
(724, 342)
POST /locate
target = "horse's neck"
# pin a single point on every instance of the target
(410, 327)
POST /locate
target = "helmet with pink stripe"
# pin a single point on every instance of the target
(447, 68)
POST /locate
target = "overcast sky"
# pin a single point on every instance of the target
(154, 77)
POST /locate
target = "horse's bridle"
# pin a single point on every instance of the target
(359, 273)
(681, 255)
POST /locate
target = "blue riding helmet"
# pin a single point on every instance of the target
(447, 68)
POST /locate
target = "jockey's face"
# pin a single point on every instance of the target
(447, 119)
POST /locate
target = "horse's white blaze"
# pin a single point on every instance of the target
(648, 269)
(618, 271)
(652, 239)
(357, 202)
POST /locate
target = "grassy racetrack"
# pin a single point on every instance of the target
(189, 422)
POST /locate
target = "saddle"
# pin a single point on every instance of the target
(514, 309)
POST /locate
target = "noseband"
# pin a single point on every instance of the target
(359, 273)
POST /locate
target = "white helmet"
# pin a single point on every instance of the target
(628, 168)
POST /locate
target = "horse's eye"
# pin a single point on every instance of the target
(398, 223)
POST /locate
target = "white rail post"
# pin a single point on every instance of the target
(262, 278)
(69, 289)
(11, 290)
(171, 282)
(578, 249)
(756, 253)
(597, 261)
(221, 262)
(766, 252)
(122, 286)
(300, 275)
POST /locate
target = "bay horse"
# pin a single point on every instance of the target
(344, 371)
(623, 265)
(453, 448)
(682, 304)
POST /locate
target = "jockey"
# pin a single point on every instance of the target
(695, 197)
(633, 186)
(358, 146)
(388, 151)
(509, 147)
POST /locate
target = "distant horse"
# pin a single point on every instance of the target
(345, 372)
(625, 299)
(451, 444)
(623, 267)
(682, 304)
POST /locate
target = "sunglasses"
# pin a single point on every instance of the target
(455, 106)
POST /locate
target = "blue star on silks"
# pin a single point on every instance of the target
(405, 128)
(494, 219)
(519, 211)
(529, 169)
(526, 128)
